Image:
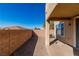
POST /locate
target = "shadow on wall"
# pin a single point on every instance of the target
(27, 49)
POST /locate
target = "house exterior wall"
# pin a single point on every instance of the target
(49, 9)
(59, 48)
(69, 32)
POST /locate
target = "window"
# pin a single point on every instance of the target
(60, 29)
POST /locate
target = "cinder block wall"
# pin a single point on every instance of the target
(10, 40)
(4, 42)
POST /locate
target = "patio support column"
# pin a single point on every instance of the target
(49, 10)
(47, 34)
(47, 37)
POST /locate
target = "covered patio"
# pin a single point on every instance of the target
(67, 38)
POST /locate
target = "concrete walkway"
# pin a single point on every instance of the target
(40, 49)
(60, 49)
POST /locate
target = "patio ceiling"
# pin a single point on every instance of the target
(65, 10)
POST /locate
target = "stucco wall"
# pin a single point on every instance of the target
(49, 9)
(10, 40)
(68, 32)
(40, 33)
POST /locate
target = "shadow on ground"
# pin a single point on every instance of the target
(75, 50)
(27, 49)
(53, 41)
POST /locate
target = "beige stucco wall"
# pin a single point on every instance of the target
(51, 31)
(49, 9)
(69, 32)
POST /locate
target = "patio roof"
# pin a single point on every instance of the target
(65, 10)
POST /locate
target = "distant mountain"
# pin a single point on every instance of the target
(13, 28)
(0, 28)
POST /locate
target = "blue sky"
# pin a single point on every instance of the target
(28, 15)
